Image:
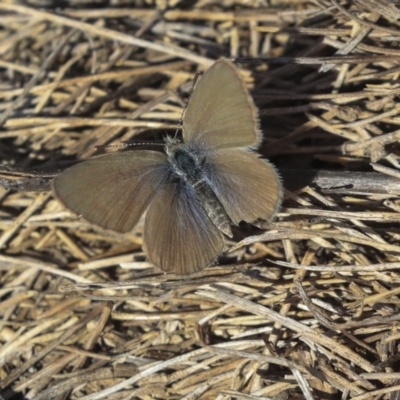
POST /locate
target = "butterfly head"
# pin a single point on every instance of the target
(171, 144)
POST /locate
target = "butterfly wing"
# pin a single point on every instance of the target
(221, 112)
(248, 187)
(114, 190)
(179, 237)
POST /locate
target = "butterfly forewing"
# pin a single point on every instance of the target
(247, 186)
(220, 112)
(113, 191)
(179, 236)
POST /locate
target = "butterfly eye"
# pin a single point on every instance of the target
(184, 160)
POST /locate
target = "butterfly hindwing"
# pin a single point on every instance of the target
(247, 186)
(179, 237)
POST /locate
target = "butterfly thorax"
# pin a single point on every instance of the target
(187, 167)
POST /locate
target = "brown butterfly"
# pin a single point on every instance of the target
(194, 192)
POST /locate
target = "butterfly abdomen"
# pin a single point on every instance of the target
(188, 169)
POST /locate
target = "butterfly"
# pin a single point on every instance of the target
(193, 191)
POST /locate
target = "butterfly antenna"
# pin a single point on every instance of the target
(196, 77)
(123, 145)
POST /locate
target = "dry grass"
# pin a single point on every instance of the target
(308, 309)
